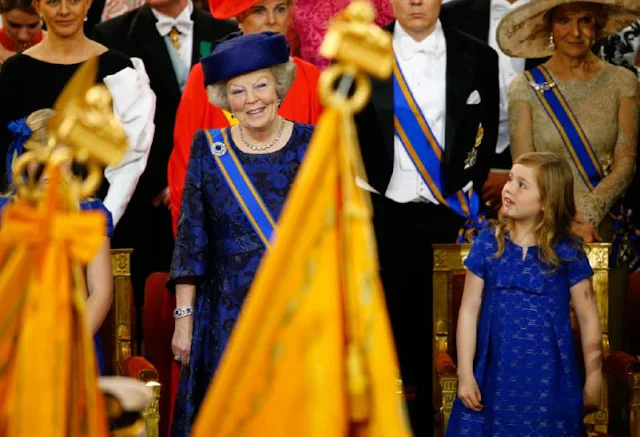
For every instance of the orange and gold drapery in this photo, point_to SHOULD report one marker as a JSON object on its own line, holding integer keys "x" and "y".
{"x": 312, "y": 353}
{"x": 48, "y": 376}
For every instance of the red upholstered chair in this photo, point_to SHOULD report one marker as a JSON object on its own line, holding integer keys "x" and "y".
{"x": 158, "y": 326}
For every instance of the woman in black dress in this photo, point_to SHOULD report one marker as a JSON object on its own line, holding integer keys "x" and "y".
{"x": 35, "y": 78}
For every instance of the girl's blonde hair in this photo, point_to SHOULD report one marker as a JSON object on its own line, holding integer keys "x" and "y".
{"x": 554, "y": 178}
{"x": 38, "y": 121}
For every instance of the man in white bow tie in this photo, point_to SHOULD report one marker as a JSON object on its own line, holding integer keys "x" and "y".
{"x": 169, "y": 36}
{"x": 427, "y": 139}
{"x": 480, "y": 18}
{"x": 177, "y": 31}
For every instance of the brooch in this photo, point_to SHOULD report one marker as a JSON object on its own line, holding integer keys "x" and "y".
{"x": 542, "y": 87}
{"x": 219, "y": 149}
{"x": 472, "y": 156}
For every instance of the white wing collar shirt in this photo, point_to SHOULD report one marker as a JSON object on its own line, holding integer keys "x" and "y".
{"x": 184, "y": 25}
{"x": 424, "y": 65}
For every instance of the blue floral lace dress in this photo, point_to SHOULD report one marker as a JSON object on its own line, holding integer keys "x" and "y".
{"x": 525, "y": 363}
{"x": 217, "y": 245}
{"x": 86, "y": 205}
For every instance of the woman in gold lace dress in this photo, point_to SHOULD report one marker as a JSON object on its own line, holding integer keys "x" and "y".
{"x": 577, "y": 106}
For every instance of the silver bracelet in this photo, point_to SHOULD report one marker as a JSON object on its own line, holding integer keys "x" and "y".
{"x": 182, "y": 312}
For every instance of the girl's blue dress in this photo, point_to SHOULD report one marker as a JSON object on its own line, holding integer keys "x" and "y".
{"x": 525, "y": 362}
{"x": 217, "y": 245}
{"x": 91, "y": 204}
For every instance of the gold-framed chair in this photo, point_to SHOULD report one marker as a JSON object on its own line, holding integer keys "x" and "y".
{"x": 116, "y": 335}
{"x": 448, "y": 284}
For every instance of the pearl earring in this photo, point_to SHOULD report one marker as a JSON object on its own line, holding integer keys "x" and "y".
{"x": 552, "y": 43}
{"x": 278, "y": 103}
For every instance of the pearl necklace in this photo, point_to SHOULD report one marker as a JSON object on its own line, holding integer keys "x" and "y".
{"x": 265, "y": 147}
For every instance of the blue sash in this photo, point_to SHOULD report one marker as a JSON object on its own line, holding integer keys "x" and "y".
{"x": 573, "y": 136}
{"x": 243, "y": 190}
{"x": 416, "y": 136}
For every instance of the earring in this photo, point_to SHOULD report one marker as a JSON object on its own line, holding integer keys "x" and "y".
{"x": 85, "y": 18}
{"x": 552, "y": 44}
{"x": 278, "y": 103}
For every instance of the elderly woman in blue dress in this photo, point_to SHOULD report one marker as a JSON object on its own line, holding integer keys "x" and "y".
{"x": 237, "y": 181}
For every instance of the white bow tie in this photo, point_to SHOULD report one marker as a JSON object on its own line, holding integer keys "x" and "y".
{"x": 184, "y": 26}
{"x": 412, "y": 48}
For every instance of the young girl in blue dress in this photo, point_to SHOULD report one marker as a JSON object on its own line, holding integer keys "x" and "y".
{"x": 517, "y": 366}
{"x": 99, "y": 275}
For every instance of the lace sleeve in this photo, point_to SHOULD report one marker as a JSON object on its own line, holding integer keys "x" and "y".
{"x": 598, "y": 203}
{"x": 629, "y": 85}
{"x": 520, "y": 117}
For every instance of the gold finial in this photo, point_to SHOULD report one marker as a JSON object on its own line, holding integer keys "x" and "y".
{"x": 85, "y": 121}
{"x": 84, "y": 124}
{"x": 360, "y": 48}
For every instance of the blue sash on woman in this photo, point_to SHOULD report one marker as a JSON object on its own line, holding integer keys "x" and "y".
{"x": 240, "y": 185}
{"x": 578, "y": 147}
{"x": 417, "y": 138}
{"x": 573, "y": 136}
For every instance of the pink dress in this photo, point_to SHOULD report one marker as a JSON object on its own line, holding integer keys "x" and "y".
{"x": 310, "y": 20}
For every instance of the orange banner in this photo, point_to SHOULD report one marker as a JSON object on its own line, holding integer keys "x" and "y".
{"x": 312, "y": 353}
{"x": 48, "y": 370}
